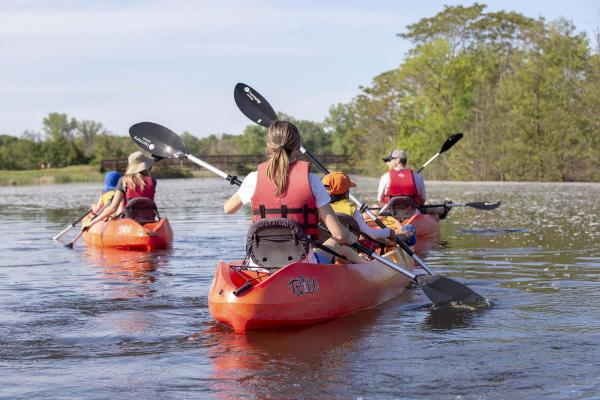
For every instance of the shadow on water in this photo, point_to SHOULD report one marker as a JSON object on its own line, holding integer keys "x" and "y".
{"x": 493, "y": 231}
{"x": 448, "y": 318}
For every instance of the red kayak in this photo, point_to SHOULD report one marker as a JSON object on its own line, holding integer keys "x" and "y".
{"x": 128, "y": 234}
{"x": 301, "y": 293}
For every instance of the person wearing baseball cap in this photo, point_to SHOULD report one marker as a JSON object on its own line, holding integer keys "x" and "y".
{"x": 137, "y": 182}
{"x": 338, "y": 185}
{"x": 400, "y": 180}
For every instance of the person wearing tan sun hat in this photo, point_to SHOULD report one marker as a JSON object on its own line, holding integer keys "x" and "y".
{"x": 137, "y": 182}
{"x": 338, "y": 185}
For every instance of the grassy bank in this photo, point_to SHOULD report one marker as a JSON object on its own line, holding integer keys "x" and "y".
{"x": 84, "y": 173}
{"x": 75, "y": 173}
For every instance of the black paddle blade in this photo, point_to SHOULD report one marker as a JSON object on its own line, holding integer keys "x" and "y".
{"x": 484, "y": 205}
{"x": 442, "y": 290}
{"x": 158, "y": 140}
{"x": 451, "y": 141}
{"x": 253, "y": 105}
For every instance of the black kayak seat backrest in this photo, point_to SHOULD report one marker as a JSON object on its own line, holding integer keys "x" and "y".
{"x": 400, "y": 207}
{"x": 142, "y": 209}
{"x": 276, "y": 242}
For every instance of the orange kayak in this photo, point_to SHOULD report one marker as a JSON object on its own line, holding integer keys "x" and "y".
{"x": 301, "y": 293}
{"x": 128, "y": 234}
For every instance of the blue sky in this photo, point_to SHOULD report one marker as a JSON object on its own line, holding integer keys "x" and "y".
{"x": 176, "y": 62}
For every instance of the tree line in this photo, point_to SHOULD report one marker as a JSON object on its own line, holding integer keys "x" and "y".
{"x": 63, "y": 141}
{"x": 523, "y": 91}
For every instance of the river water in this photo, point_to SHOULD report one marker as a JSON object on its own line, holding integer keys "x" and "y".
{"x": 95, "y": 324}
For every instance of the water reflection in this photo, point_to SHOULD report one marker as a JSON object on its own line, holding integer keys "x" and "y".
{"x": 129, "y": 273}
{"x": 285, "y": 363}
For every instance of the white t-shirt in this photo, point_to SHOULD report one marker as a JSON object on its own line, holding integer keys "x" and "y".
{"x": 246, "y": 190}
{"x": 384, "y": 184}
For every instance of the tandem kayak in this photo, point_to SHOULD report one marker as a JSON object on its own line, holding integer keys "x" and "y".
{"x": 301, "y": 293}
{"x": 128, "y": 234}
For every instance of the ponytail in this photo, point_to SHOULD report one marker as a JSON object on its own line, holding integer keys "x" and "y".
{"x": 282, "y": 139}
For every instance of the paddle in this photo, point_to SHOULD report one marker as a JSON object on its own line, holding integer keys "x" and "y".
{"x": 478, "y": 205}
{"x": 439, "y": 289}
{"x": 451, "y": 141}
{"x": 68, "y": 228}
{"x": 161, "y": 141}
{"x": 70, "y": 245}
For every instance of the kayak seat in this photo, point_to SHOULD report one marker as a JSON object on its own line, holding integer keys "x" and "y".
{"x": 273, "y": 243}
{"x": 400, "y": 207}
{"x": 142, "y": 209}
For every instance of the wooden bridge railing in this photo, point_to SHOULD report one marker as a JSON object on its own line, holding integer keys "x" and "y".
{"x": 229, "y": 163}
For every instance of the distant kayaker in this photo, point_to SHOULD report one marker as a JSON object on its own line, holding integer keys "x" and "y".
{"x": 403, "y": 181}
{"x": 338, "y": 185}
{"x": 284, "y": 182}
{"x": 137, "y": 182}
{"x": 400, "y": 180}
{"x": 111, "y": 179}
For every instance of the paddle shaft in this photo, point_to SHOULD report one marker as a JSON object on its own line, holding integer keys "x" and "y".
{"x": 427, "y": 163}
{"x": 68, "y": 228}
{"x": 479, "y": 205}
{"x": 451, "y": 141}
{"x": 232, "y": 179}
{"x": 70, "y": 245}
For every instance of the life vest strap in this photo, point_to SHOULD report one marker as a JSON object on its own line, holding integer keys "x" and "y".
{"x": 284, "y": 211}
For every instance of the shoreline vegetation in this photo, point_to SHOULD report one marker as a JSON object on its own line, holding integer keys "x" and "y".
{"x": 523, "y": 91}
{"x": 89, "y": 173}
{"x": 77, "y": 174}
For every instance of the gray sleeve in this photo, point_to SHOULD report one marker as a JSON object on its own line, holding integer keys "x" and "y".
{"x": 420, "y": 183}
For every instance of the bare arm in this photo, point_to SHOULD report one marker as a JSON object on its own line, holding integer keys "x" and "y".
{"x": 108, "y": 211}
{"x": 233, "y": 204}
{"x": 338, "y": 231}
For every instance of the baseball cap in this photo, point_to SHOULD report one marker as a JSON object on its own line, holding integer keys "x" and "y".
{"x": 401, "y": 154}
{"x": 337, "y": 182}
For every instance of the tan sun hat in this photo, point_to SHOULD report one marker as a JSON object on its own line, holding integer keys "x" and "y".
{"x": 138, "y": 162}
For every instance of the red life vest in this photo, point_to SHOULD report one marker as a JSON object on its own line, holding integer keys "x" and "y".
{"x": 296, "y": 203}
{"x": 147, "y": 191}
{"x": 402, "y": 183}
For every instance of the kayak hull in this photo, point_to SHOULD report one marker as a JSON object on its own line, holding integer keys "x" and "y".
{"x": 301, "y": 293}
{"x": 426, "y": 225}
{"x": 128, "y": 234}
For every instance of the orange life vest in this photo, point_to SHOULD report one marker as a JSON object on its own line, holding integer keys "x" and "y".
{"x": 296, "y": 203}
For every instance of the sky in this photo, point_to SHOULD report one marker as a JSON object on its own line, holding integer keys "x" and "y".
{"x": 176, "y": 62}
